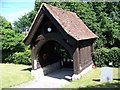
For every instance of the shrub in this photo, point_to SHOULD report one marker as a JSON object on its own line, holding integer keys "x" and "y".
{"x": 20, "y": 58}
{"x": 11, "y": 43}
{"x": 115, "y": 56}
{"x": 100, "y": 56}
{"x": 104, "y": 56}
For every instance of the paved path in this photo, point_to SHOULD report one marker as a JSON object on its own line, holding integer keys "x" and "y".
{"x": 53, "y": 80}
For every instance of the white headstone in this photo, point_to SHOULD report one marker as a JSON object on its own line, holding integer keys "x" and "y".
{"x": 106, "y": 74}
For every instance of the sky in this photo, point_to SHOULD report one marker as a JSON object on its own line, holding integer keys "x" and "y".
{"x": 14, "y": 9}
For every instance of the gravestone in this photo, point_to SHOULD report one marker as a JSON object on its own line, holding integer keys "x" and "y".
{"x": 106, "y": 74}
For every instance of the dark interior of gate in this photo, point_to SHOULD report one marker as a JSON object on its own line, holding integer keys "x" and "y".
{"x": 52, "y": 52}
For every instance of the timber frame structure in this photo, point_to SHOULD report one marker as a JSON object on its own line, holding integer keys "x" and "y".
{"x": 55, "y": 28}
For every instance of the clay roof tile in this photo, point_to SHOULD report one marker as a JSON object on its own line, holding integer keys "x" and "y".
{"x": 71, "y": 23}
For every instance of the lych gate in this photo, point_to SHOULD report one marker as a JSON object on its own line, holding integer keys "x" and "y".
{"x": 59, "y": 39}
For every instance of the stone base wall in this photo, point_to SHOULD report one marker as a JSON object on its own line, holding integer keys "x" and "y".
{"x": 56, "y": 66}
{"x": 78, "y": 76}
{"x": 45, "y": 70}
{"x": 51, "y": 68}
{"x": 37, "y": 73}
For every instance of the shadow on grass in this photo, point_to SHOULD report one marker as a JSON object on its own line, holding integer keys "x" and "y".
{"x": 27, "y": 69}
{"x": 106, "y": 85}
{"x": 98, "y": 80}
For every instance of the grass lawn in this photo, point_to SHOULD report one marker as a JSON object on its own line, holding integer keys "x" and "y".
{"x": 92, "y": 80}
{"x": 13, "y": 74}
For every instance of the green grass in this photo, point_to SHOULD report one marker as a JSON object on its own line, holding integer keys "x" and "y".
{"x": 12, "y": 75}
{"x": 92, "y": 80}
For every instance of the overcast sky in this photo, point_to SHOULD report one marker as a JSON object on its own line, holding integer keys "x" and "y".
{"x": 14, "y": 9}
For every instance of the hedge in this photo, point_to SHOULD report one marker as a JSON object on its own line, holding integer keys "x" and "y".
{"x": 104, "y": 56}
{"x": 101, "y": 57}
{"x": 20, "y": 58}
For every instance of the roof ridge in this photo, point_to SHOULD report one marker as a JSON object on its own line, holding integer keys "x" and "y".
{"x": 69, "y": 21}
{"x": 47, "y": 5}
{"x": 55, "y": 10}
{"x": 43, "y": 4}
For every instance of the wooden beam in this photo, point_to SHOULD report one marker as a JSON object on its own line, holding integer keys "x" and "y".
{"x": 59, "y": 27}
{"x": 56, "y": 37}
{"x": 34, "y": 28}
{"x": 86, "y": 65}
{"x": 76, "y": 60}
{"x": 33, "y": 56}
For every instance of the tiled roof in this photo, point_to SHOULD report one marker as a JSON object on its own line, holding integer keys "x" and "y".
{"x": 71, "y": 23}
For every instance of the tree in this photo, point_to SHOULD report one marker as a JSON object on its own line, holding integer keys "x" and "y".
{"x": 11, "y": 41}
{"x": 24, "y": 22}
{"x": 103, "y": 18}
{"x": 4, "y": 23}
{"x": 108, "y": 18}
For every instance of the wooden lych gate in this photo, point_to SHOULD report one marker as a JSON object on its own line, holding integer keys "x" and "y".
{"x": 59, "y": 39}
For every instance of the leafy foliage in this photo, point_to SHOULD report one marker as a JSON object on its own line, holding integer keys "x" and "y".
{"x": 104, "y": 56}
{"x": 23, "y": 24}
{"x": 4, "y": 23}
{"x": 11, "y": 42}
{"x": 13, "y": 49}
{"x": 20, "y": 58}
{"x": 114, "y": 56}
{"x": 108, "y": 19}
{"x": 103, "y": 18}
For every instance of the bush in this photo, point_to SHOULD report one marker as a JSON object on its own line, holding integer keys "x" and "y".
{"x": 104, "y": 56}
{"x": 20, "y": 58}
{"x": 11, "y": 43}
{"x": 115, "y": 56}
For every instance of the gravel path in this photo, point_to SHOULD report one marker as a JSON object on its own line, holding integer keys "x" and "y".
{"x": 53, "y": 80}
